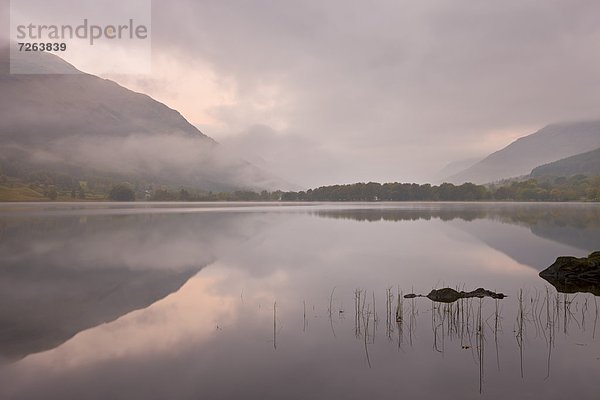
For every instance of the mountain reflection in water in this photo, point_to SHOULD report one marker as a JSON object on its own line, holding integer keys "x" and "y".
{"x": 60, "y": 276}
{"x": 269, "y": 301}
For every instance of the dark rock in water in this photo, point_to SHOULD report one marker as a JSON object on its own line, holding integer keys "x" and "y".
{"x": 565, "y": 267}
{"x": 573, "y": 275}
{"x": 445, "y": 295}
{"x": 481, "y": 292}
{"x": 448, "y": 295}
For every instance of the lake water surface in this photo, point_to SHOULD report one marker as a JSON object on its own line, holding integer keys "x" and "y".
{"x": 293, "y": 301}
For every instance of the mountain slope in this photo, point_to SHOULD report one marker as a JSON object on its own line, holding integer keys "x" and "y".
{"x": 79, "y": 124}
{"x": 585, "y": 164}
{"x": 36, "y": 108}
{"x": 549, "y": 144}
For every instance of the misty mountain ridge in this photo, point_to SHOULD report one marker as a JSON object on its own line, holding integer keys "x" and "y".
{"x": 581, "y": 164}
{"x": 79, "y": 124}
{"x": 549, "y": 144}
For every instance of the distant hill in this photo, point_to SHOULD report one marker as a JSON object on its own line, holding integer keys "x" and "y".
{"x": 585, "y": 164}
{"x": 549, "y": 144}
{"x": 81, "y": 125}
{"x": 453, "y": 168}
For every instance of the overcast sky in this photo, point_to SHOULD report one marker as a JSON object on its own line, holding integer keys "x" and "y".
{"x": 342, "y": 91}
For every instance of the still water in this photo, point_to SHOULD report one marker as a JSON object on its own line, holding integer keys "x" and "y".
{"x": 293, "y": 301}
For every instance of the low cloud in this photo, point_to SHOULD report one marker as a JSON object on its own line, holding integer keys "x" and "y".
{"x": 300, "y": 159}
{"x": 167, "y": 159}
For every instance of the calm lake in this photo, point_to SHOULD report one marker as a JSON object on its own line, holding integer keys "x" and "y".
{"x": 293, "y": 301}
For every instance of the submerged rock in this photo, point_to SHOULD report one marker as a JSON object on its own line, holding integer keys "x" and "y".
{"x": 449, "y": 295}
{"x": 573, "y": 275}
{"x": 445, "y": 295}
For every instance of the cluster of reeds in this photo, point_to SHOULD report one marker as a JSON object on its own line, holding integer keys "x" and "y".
{"x": 465, "y": 321}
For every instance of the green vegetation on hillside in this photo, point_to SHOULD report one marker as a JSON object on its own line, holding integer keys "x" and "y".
{"x": 577, "y": 188}
{"x": 20, "y": 193}
{"x": 46, "y": 187}
{"x": 121, "y": 192}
